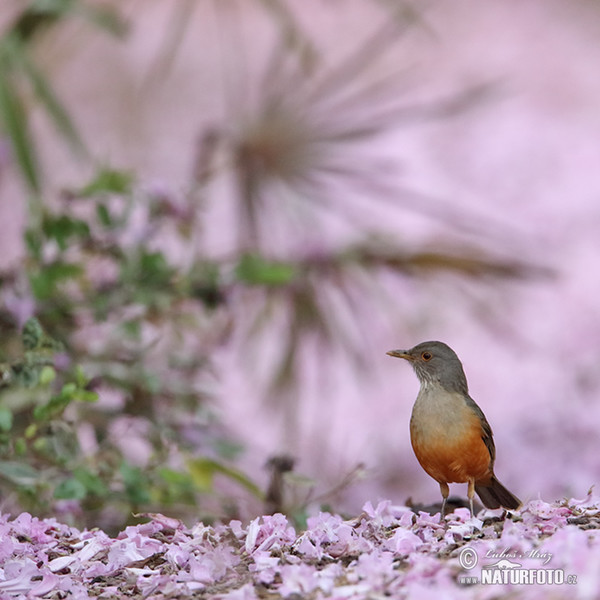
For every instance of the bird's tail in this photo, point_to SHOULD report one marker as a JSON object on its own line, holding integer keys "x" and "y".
{"x": 494, "y": 495}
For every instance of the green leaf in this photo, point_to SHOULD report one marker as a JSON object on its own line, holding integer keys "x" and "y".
{"x": 149, "y": 275}
{"x": 38, "y": 16}
{"x": 204, "y": 281}
{"x": 228, "y": 449}
{"x": 13, "y": 117}
{"x": 107, "y": 181}
{"x": 132, "y": 328}
{"x": 80, "y": 377}
{"x": 104, "y": 215}
{"x": 20, "y": 446}
{"x": 57, "y": 404}
{"x": 203, "y": 471}
{"x": 70, "y": 489}
{"x": 41, "y": 14}
{"x": 44, "y": 282}
{"x": 6, "y": 419}
{"x": 91, "y": 481}
{"x": 62, "y": 228}
{"x": 136, "y": 484}
{"x": 256, "y": 270}
{"x": 30, "y": 431}
{"x": 53, "y": 408}
{"x": 178, "y": 487}
{"x": 173, "y": 477}
{"x": 151, "y": 382}
{"x": 85, "y": 396}
{"x": 104, "y": 17}
{"x": 154, "y": 268}
{"x": 47, "y": 375}
{"x": 24, "y": 375}
{"x": 18, "y": 473}
{"x": 33, "y": 241}
{"x": 32, "y": 334}
{"x": 49, "y": 101}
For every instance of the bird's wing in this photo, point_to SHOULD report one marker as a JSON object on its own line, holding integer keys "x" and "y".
{"x": 486, "y": 430}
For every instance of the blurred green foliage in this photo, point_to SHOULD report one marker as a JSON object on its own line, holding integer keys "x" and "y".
{"x": 38, "y": 449}
{"x": 44, "y": 408}
{"x": 21, "y": 78}
{"x": 42, "y": 463}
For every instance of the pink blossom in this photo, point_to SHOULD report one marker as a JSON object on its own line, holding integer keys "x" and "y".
{"x": 125, "y": 551}
{"x": 329, "y": 533}
{"x": 382, "y": 515}
{"x": 200, "y": 569}
{"x": 273, "y": 532}
{"x": 177, "y": 555}
{"x": 31, "y": 527}
{"x": 403, "y": 541}
{"x": 245, "y": 592}
{"x": 406, "y": 519}
{"x": 298, "y": 579}
{"x": 25, "y": 577}
{"x": 590, "y": 503}
{"x": 545, "y": 510}
{"x": 222, "y": 559}
{"x": 459, "y": 530}
{"x": 376, "y": 567}
{"x": 307, "y": 548}
{"x": 333, "y": 558}
{"x": 265, "y": 566}
{"x": 325, "y": 527}
{"x": 236, "y": 528}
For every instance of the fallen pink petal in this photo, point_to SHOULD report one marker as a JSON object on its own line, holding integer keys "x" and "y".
{"x": 400, "y": 557}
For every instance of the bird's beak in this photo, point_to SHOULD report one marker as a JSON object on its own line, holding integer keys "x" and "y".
{"x": 401, "y": 354}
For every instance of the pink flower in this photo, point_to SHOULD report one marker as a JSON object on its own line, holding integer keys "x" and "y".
{"x": 403, "y": 541}
{"x": 324, "y": 527}
{"x": 273, "y": 532}
{"x": 246, "y": 592}
{"x": 307, "y": 548}
{"x": 31, "y": 527}
{"x": 376, "y": 567}
{"x": 125, "y": 551}
{"x": 165, "y": 522}
{"x": 177, "y": 556}
{"x": 382, "y": 516}
{"x": 298, "y": 579}
{"x": 18, "y": 578}
{"x": 236, "y": 528}
{"x": 589, "y": 502}
{"x": 265, "y": 566}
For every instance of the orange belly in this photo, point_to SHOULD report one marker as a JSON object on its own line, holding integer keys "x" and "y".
{"x": 454, "y": 459}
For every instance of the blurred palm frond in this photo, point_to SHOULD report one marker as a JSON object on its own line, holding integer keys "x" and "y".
{"x": 22, "y": 81}
{"x": 303, "y": 144}
{"x": 299, "y": 138}
{"x": 321, "y": 297}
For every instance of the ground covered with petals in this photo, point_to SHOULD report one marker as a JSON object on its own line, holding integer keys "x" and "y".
{"x": 546, "y": 550}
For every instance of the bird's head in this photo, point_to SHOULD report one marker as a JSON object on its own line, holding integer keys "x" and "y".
{"x": 435, "y": 362}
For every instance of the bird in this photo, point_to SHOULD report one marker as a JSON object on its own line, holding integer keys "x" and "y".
{"x": 449, "y": 433}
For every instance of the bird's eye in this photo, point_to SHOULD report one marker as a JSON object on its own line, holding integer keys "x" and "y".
{"x": 426, "y": 355}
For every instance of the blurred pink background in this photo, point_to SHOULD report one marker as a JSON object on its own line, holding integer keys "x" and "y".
{"x": 518, "y": 173}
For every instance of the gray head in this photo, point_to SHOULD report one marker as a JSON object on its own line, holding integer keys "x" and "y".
{"x": 435, "y": 362}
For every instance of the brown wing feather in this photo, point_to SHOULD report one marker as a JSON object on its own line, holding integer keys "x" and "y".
{"x": 486, "y": 430}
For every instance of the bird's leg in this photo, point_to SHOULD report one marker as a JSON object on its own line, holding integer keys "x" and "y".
{"x": 470, "y": 494}
{"x": 445, "y": 493}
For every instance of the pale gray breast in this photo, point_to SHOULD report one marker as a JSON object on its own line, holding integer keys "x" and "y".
{"x": 438, "y": 413}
